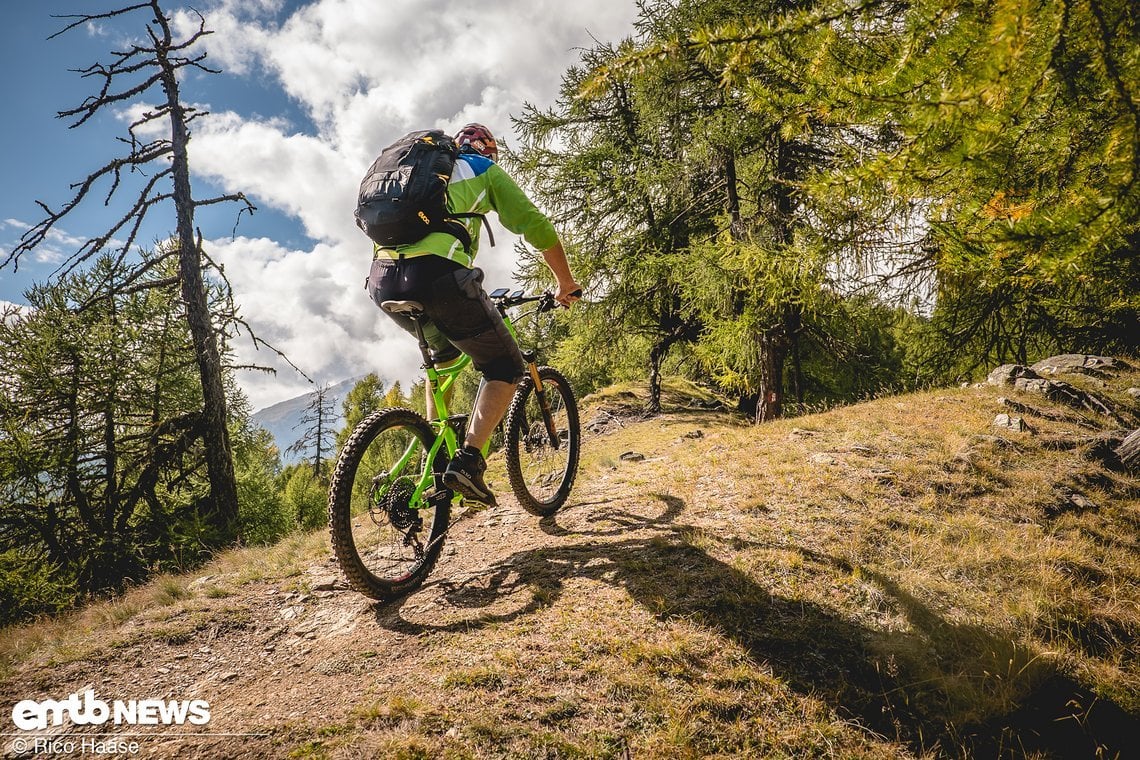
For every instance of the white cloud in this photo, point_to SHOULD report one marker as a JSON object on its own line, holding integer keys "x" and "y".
{"x": 14, "y": 309}
{"x": 311, "y": 305}
{"x": 364, "y": 73}
{"x": 301, "y": 175}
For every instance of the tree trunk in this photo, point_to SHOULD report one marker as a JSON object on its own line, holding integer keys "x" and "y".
{"x": 219, "y": 456}
{"x": 656, "y": 354}
{"x": 320, "y": 434}
{"x": 736, "y": 227}
{"x": 774, "y": 343}
{"x": 773, "y": 351}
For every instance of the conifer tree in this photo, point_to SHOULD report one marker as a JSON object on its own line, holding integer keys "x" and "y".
{"x": 317, "y": 430}
{"x": 155, "y": 64}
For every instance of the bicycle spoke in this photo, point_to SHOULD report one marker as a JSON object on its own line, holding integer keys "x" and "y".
{"x": 381, "y": 521}
{"x": 542, "y": 468}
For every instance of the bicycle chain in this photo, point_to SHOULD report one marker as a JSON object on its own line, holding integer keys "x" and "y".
{"x": 451, "y": 524}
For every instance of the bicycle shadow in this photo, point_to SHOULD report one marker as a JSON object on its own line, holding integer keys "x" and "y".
{"x": 880, "y": 679}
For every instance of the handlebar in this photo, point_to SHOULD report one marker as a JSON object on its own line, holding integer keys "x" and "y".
{"x": 545, "y": 300}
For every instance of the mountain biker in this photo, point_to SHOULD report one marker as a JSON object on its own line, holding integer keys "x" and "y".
{"x": 439, "y": 273}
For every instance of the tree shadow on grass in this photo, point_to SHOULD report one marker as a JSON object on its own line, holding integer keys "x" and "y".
{"x": 899, "y": 684}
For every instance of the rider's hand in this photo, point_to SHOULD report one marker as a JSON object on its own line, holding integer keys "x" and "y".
{"x": 567, "y": 293}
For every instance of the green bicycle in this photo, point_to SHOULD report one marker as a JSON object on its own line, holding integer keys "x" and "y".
{"x": 389, "y": 511}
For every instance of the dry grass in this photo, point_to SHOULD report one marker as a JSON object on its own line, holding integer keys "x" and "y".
{"x": 889, "y": 579}
{"x": 142, "y": 612}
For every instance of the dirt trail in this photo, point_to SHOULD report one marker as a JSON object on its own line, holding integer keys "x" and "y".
{"x": 895, "y": 579}
{"x": 277, "y": 664}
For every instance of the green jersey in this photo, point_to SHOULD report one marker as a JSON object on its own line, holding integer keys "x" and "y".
{"x": 478, "y": 185}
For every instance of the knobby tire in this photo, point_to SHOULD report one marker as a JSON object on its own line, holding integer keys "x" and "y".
{"x": 541, "y": 475}
{"x": 366, "y": 531}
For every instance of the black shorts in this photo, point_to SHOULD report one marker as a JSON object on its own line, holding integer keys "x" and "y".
{"x": 460, "y": 314}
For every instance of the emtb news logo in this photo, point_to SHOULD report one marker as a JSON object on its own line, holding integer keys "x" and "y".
{"x": 31, "y": 715}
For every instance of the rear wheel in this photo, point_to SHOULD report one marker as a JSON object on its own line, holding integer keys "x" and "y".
{"x": 386, "y": 544}
{"x": 542, "y": 467}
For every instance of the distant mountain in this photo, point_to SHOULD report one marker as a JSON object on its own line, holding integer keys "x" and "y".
{"x": 283, "y": 419}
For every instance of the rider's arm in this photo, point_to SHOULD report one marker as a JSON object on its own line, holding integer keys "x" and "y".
{"x": 519, "y": 215}
{"x": 568, "y": 290}
{"x": 516, "y": 212}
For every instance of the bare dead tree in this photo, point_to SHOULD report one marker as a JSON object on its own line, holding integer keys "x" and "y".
{"x": 145, "y": 67}
{"x": 317, "y": 434}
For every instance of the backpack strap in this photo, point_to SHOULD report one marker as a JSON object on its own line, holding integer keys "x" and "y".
{"x": 465, "y": 237}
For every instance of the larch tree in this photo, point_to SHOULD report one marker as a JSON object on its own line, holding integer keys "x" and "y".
{"x": 155, "y": 64}
{"x": 317, "y": 434}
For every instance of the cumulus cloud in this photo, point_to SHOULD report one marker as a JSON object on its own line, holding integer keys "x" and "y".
{"x": 363, "y": 74}
{"x": 9, "y": 309}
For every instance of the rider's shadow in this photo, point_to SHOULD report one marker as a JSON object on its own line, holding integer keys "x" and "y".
{"x": 874, "y": 677}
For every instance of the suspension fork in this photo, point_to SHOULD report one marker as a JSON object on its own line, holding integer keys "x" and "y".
{"x": 540, "y": 393}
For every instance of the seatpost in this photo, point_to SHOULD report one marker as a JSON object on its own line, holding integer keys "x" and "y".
{"x": 425, "y": 349}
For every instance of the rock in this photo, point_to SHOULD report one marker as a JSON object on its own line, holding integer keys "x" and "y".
{"x": 1008, "y": 374}
{"x": 1133, "y": 392}
{"x": 1033, "y": 384}
{"x": 291, "y": 612}
{"x": 631, "y": 456}
{"x": 821, "y": 457}
{"x": 694, "y": 434}
{"x": 228, "y": 676}
{"x": 1071, "y": 502}
{"x": 325, "y": 583}
{"x": 1078, "y": 363}
{"x": 1010, "y": 422}
{"x": 1128, "y": 451}
{"x": 1082, "y": 502}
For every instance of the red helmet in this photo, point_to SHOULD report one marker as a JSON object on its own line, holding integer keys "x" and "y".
{"x": 480, "y": 139}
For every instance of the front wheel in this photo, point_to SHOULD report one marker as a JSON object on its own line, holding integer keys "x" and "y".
{"x": 386, "y": 537}
{"x": 542, "y": 442}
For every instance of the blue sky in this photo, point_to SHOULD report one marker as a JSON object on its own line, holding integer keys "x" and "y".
{"x": 311, "y": 90}
{"x": 43, "y": 156}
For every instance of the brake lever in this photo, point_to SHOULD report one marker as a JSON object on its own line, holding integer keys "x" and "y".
{"x": 549, "y": 303}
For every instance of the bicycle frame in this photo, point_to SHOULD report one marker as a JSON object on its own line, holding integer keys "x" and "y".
{"x": 439, "y": 382}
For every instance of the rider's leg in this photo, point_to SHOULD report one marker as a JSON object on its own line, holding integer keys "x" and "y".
{"x": 490, "y": 406}
{"x": 431, "y": 414}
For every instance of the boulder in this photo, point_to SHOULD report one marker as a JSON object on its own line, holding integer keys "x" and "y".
{"x": 1011, "y": 422}
{"x": 1129, "y": 451}
{"x": 1075, "y": 363}
{"x": 1008, "y": 374}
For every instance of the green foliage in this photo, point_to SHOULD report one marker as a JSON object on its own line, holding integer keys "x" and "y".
{"x": 680, "y": 172}
{"x": 753, "y": 179}
{"x": 262, "y": 510}
{"x": 29, "y": 587}
{"x": 304, "y": 496}
{"x": 102, "y": 464}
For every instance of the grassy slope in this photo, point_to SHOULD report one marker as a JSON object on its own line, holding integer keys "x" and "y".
{"x": 890, "y": 579}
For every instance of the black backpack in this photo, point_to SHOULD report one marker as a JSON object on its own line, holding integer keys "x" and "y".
{"x": 403, "y": 196}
